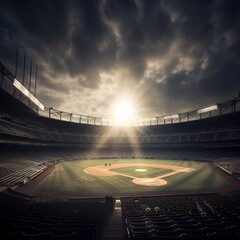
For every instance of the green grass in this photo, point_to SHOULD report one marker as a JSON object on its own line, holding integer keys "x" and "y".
{"x": 68, "y": 178}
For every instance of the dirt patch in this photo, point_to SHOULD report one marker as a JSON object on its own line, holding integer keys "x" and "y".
{"x": 149, "y": 181}
{"x": 103, "y": 170}
{"x": 99, "y": 171}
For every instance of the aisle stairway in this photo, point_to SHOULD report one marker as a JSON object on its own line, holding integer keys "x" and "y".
{"x": 115, "y": 228}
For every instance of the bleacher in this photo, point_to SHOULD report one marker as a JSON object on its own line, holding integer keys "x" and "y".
{"x": 206, "y": 216}
{"x": 230, "y": 165}
{"x": 37, "y": 219}
{"x": 22, "y": 175}
{"x": 17, "y": 167}
{"x": 183, "y": 217}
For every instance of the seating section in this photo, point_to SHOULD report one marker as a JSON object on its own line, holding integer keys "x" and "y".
{"x": 54, "y": 131}
{"x": 230, "y": 165}
{"x": 19, "y": 124}
{"x": 183, "y": 217}
{"x": 37, "y": 219}
{"x": 207, "y": 216}
{"x": 17, "y": 167}
{"x": 22, "y": 175}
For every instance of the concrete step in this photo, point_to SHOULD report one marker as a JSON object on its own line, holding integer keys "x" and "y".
{"x": 115, "y": 228}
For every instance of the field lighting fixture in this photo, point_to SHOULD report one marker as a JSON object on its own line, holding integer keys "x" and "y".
{"x": 24, "y": 91}
{"x": 171, "y": 116}
{"x": 207, "y": 109}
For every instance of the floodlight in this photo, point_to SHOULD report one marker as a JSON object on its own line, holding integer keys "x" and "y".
{"x": 24, "y": 91}
{"x": 171, "y": 116}
{"x": 207, "y": 109}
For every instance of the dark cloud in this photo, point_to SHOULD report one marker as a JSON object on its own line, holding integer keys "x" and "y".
{"x": 145, "y": 31}
{"x": 169, "y": 56}
{"x": 93, "y": 44}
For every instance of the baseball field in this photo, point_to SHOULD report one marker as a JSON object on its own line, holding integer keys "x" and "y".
{"x": 131, "y": 177}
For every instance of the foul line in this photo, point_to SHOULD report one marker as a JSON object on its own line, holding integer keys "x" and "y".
{"x": 123, "y": 174}
{"x": 107, "y": 170}
{"x": 159, "y": 177}
{"x": 162, "y": 176}
{"x": 172, "y": 173}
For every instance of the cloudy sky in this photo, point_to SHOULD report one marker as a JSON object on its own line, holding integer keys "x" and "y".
{"x": 164, "y": 57}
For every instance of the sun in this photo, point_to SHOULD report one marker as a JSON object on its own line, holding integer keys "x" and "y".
{"x": 123, "y": 112}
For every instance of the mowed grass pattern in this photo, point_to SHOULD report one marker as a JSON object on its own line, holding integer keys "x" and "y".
{"x": 69, "y": 179}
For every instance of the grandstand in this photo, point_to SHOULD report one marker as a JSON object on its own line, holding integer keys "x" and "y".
{"x": 34, "y": 143}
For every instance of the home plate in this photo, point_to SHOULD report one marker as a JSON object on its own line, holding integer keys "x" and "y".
{"x": 149, "y": 181}
{"x": 140, "y": 170}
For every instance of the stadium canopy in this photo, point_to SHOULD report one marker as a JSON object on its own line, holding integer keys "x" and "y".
{"x": 24, "y": 91}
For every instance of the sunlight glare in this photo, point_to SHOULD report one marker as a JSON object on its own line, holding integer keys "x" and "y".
{"x": 124, "y": 112}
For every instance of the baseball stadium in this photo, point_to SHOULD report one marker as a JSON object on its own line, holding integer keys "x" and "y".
{"x": 70, "y": 176}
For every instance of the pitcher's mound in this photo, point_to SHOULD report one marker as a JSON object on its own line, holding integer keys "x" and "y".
{"x": 149, "y": 181}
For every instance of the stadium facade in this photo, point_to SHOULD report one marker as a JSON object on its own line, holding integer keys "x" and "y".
{"x": 33, "y": 139}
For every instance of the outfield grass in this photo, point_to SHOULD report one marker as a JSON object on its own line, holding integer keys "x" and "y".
{"x": 69, "y": 179}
